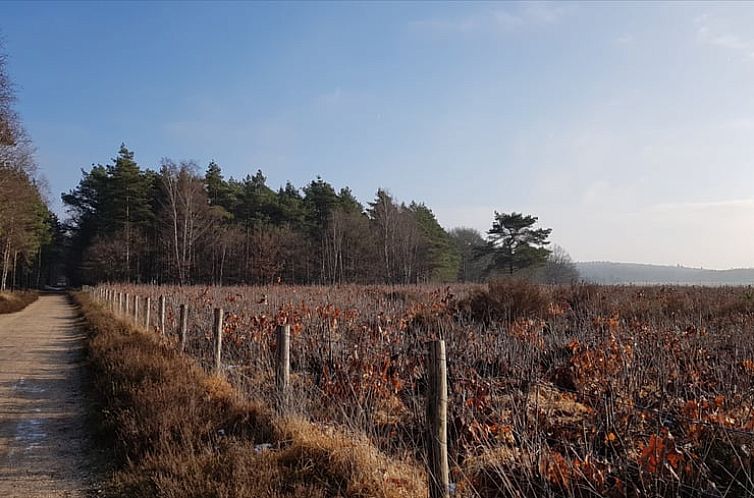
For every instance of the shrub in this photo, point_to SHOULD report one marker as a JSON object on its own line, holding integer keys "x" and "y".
{"x": 505, "y": 300}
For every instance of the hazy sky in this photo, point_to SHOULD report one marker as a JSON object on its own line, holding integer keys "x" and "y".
{"x": 627, "y": 128}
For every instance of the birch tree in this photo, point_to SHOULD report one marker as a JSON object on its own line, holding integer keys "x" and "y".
{"x": 186, "y": 214}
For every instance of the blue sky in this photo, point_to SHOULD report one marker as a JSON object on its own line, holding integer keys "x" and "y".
{"x": 626, "y": 127}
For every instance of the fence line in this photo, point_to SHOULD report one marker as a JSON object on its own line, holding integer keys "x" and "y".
{"x": 438, "y": 379}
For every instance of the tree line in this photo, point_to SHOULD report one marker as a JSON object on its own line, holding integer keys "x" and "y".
{"x": 29, "y": 232}
{"x": 179, "y": 224}
{"x": 182, "y": 225}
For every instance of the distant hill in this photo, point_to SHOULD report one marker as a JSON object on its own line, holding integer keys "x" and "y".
{"x": 632, "y": 273}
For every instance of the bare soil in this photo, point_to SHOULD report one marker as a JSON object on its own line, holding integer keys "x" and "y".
{"x": 45, "y": 450}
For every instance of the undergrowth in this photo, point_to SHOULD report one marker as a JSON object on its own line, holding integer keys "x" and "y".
{"x": 176, "y": 431}
{"x": 11, "y": 302}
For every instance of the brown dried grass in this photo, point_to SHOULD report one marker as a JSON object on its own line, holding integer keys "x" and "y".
{"x": 176, "y": 431}
{"x": 11, "y": 302}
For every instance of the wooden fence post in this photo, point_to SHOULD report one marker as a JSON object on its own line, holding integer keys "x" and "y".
{"x": 147, "y": 311}
{"x": 437, "y": 420}
{"x": 137, "y": 299}
{"x": 161, "y": 315}
{"x": 120, "y": 302}
{"x": 127, "y": 308}
{"x": 183, "y": 331}
{"x": 217, "y": 331}
{"x": 283, "y": 363}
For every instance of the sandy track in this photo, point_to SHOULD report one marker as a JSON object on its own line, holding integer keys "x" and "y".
{"x": 44, "y": 449}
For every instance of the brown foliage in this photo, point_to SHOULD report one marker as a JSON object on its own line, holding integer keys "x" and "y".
{"x": 505, "y": 300}
{"x": 576, "y": 396}
{"x": 11, "y": 302}
{"x": 178, "y": 432}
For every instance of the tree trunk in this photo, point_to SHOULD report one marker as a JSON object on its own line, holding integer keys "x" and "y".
{"x": 6, "y": 261}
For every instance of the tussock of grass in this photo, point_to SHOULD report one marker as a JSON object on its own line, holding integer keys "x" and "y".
{"x": 178, "y": 432}
{"x": 11, "y": 302}
{"x": 347, "y": 462}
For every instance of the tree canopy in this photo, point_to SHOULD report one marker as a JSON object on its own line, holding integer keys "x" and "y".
{"x": 26, "y": 225}
{"x": 179, "y": 225}
{"x": 513, "y": 243}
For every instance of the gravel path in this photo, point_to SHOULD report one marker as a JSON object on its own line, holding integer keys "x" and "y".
{"x": 44, "y": 449}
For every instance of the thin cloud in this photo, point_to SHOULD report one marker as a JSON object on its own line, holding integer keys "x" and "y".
{"x": 736, "y": 204}
{"x": 445, "y": 25}
{"x": 543, "y": 12}
{"x": 508, "y": 20}
{"x": 712, "y": 34}
{"x": 626, "y": 39}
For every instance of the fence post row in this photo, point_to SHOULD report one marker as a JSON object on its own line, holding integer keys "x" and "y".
{"x": 147, "y": 311}
{"x": 283, "y": 363}
{"x": 161, "y": 315}
{"x": 217, "y": 330}
{"x": 437, "y": 421}
{"x": 437, "y": 396}
{"x": 183, "y": 326}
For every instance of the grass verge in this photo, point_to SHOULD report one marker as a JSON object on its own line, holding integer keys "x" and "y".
{"x": 176, "y": 431}
{"x": 11, "y": 302}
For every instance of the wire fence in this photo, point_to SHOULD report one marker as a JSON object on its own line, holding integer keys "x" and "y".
{"x": 511, "y": 432}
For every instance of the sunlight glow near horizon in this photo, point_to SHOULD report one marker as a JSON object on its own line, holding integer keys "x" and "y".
{"x": 627, "y": 128}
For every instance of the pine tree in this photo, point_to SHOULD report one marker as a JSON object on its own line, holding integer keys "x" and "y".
{"x": 219, "y": 191}
{"x": 257, "y": 203}
{"x": 515, "y": 244}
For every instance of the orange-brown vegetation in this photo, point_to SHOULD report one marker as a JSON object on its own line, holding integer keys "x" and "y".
{"x": 554, "y": 391}
{"x": 176, "y": 431}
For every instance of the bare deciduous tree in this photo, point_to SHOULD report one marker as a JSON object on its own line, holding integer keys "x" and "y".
{"x": 186, "y": 214}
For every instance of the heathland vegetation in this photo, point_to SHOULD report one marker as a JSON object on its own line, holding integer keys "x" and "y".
{"x": 568, "y": 391}
{"x": 176, "y": 431}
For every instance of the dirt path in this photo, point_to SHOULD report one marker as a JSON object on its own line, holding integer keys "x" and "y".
{"x": 43, "y": 438}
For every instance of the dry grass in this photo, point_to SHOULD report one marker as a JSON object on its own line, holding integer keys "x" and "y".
{"x": 11, "y": 302}
{"x": 177, "y": 432}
